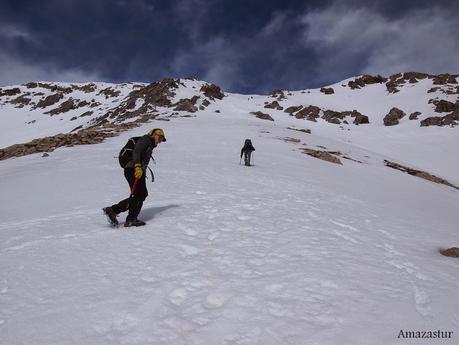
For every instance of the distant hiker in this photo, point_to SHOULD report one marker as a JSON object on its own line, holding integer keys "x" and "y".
{"x": 247, "y": 150}
{"x": 134, "y": 158}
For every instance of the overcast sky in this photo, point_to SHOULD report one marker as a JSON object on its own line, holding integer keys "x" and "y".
{"x": 241, "y": 45}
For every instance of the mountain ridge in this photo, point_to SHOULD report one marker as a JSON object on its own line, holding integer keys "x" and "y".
{"x": 52, "y": 115}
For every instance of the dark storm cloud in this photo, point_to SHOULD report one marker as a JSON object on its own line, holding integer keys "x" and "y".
{"x": 244, "y": 46}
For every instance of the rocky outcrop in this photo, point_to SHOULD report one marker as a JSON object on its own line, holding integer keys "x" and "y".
{"x": 49, "y": 144}
{"x": 49, "y": 100}
{"x": 109, "y": 93}
{"x": 443, "y": 79}
{"x": 418, "y": 173}
{"x": 451, "y": 252}
{"x": 443, "y": 106}
{"x": 262, "y": 116}
{"x": 66, "y": 106}
{"x": 212, "y": 91}
{"x": 157, "y": 94}
{"x": 10, "y": 92}
{"x": 399, "y": 79}
{"x": 51, "y": 87}
{"x": 337, "y": 117}
{"x": 153, "y": 95}
{"x": 279, "y": 94}
{"x": 447, "y": 120}
{"x": 274, "y": 105}
{"x": 366, "y": 80}
{"x": 21, "y": 101}
{"x": 333, "y": 116}
{"x": 324, "y": 155}
{"x": 307, "y": 131}
{"x": 187, "y": 104}
{"x": 414, "y": 77}
{"x": 293, "y": 109}
{"x": 310, "y": 113}
{"x": 414, "y": 116}
{"x": 86, "y": 88}
{"x": 327, "y": 90}
{"x": 359, "y": 119}
{"x": 393, "y": 117}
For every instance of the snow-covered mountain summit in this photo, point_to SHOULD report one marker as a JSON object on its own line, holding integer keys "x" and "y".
{"x": 39, "y": 109}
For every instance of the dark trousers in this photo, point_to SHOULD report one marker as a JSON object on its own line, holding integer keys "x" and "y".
{"x": 135, "y": 201}
{"x": 247, "y": 155}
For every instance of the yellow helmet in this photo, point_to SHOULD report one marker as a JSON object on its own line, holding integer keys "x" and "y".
{"x": 157, "y": 131}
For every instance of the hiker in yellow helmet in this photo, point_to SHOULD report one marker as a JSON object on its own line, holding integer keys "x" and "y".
{"x": 136, "y": 158}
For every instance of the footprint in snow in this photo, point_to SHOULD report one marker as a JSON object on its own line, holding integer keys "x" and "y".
{"x": 177, "y": 296}
{"x": 215, "y": 300}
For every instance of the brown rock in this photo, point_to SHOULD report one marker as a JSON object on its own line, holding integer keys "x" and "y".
{"x": 307, "y": 131}
{"x": 21, "y": 100}
{"x": 87, "y": 113}
{"x": 413, "y": 77}
{"x": 418, "y": 173}
{"x": 432, "y": 121}
{"x": 365, "y": 80}
{"x": 50, "y": 100}
{"x": 10, "y": 92}
{"x": 262, "y": 116}
{"x": 274, "y": 105}
{"x": 279, "y": 94}
{"x": 447, "y": 120}
{"x": 66, "y": 106}
{"x": 393, "y": 117}
{"x": 86, "y": 88}
{"x": 451, "y": 252}
{"x": 187, "y": 104}
{"x": 212, "y": 91}
{"x": 324, "y": 155}
{"x": 293, "y": 109}
{"x": 360, "y": 119}
{"x": 310, "y": 113}
{"x": 443, "y": 79}
{"x": 327, "y": 90}
{"x": 434, "y": 89}
{"x": 444, "y": 106}
{"x": 333, "y": 116}
{"x": 109, "y": 92}
{"x": 414, "y": 116}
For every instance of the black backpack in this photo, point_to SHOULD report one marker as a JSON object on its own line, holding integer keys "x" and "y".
{"x": 126, "y": 152}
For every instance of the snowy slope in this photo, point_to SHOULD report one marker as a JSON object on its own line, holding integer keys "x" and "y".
{"x": 294, "y": 250}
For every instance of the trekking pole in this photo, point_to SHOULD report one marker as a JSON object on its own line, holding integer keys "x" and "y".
{"x": 253, "y": 159}
{"x": 240, "y": 160}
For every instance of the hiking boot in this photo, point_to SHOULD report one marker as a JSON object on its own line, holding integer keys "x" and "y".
{"x": 111, "y": 216}
{"x": 134, "y": 222}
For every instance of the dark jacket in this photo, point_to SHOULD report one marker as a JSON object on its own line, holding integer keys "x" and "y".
{"x": 142, "y": 152}
{"x": 247, "y": 148}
